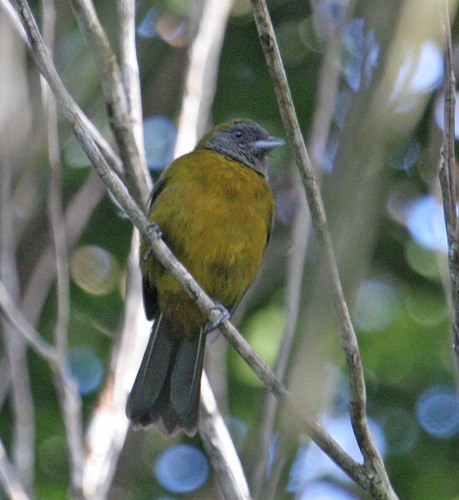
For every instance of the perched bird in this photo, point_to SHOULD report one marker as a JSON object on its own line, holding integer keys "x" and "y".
{"x": 215, "y": 210}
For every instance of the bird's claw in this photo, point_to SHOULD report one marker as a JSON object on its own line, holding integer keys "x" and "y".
{"x": 152, "y": 228}
{"x": 224, "y": 315}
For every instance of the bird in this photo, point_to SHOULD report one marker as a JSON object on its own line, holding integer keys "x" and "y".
{"x": 214, "y": 209}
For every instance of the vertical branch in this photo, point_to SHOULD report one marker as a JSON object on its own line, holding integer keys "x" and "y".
{"x": 137, "y": 180}
{"x": 130, "y": 72}
{"x": 220, "y": 448}
{"x": 108, "y": 425}
{"x": 346, "y": 331}
{"x": 299, "y": 240}
{"x": 9, "y": 479}
{"x": 12, "y": 126}
{"x": 69, "y": 399}
{"x": 201, "y": 77}
{"x": 447, "y": 177}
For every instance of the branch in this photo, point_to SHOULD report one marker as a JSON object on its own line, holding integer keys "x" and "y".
{"x": 105, "y": 147}
{"x": 15, "y": 317}
{"x": 447, "y": 176}
{"x": 8, "y": 478}
{"x": 68, "y": 396}
{"x": 373, "y": 460}
{"x": 130, "y": 74}
{"x": 108, "y": 426}
{"x": 201, "y": 77}
{"x": 220, "y": 447}
{"x": 138, "y": 182}
{"x": 299, "y": 241}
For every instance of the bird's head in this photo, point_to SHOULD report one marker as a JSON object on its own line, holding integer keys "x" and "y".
{"x": 243, "y": 141}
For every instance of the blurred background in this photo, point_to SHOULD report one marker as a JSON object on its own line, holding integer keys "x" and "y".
{"x": 367, "y": 81}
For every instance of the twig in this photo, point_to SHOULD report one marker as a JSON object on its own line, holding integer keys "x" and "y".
{"x": 15, "y": 317}
{"x": 8, "y": 478}
{"x": 447, "y": 177}
{"x": 201, "y": 75}
{"x": 373, "y": 461}
{"x": 68, "y": 396}
{"x": 220, "y": 448}
{"x": 130, "y": 74}
{"x": 108, "y": 425}
{"x": 116, "y": 102}
{"x": 105, "y": 147}
{"x": 296, "y": 261}
{"x": 77, "y": 214}
{"x": 23, "y": 423}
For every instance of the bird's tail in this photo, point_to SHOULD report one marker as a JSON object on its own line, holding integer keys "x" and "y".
{"x": 167, "y": 387}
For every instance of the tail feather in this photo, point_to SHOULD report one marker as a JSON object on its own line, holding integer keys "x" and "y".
{"x": 185, "y": 387}
{"x": 167, "y": 387}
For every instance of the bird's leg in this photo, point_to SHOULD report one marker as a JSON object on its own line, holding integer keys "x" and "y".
{"x": 152, "y": 228}
{"x": 224, "y": 315}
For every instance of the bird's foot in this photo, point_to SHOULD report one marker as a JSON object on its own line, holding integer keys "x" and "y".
{"x": 224, "y": 315}
{"x": 152, "y": 228}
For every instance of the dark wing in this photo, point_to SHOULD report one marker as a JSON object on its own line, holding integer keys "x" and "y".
{"x": 150, "y": 296}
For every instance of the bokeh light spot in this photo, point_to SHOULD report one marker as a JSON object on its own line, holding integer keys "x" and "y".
{"x": 423, "y": 260}
{"x": 400, "y": 430}
{"x": 324, "y": 490}
{"x": 377, "y": 306}
{"x": 425, "y": 306}
{"x": 159, "y": 138}
{"x": 407, "y": 156}
{"x": 426, "y": 224}
{"x": 146, "y": 28}
{"x": 263, "y": 330}
{"x": 437, "y": 410}
{"x": 420, "y": 72}
{"x": 94, "y": 269}
{"x": 86, "y": 368}
{"x": 182, "y": 468}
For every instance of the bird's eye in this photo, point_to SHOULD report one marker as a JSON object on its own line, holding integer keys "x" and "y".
{"x": 238, "y": 133}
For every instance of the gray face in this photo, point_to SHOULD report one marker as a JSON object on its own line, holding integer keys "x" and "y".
{"x": 246, "y": 142}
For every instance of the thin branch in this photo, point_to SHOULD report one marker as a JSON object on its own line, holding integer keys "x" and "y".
{"x": 447, "y": 177}
{"x": 105, "y": 147}
{"x": 68, "y": 396}
{"x": 138, "y": 182}
{"x": 299, "y": 240}
{"x": 23, "y": 423}
{"x": 78, "y": 212}
{"x": 9, "y": 479}
{"x": 220, "y": 447}
{"x": 108, "y": 425}
{"x": 15, "y": 317}
{"x": 130, "y": 73}
{"x": 201, "y": 75}
{"x": 373, "y": 460}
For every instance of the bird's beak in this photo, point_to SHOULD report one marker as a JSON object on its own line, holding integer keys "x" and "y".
{"x": 269, "y": 143}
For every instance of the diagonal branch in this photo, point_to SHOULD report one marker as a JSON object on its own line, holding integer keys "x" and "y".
{"x": 116, "y": 101}
{"x": 347, "y": 334}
